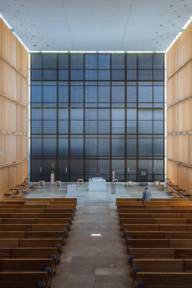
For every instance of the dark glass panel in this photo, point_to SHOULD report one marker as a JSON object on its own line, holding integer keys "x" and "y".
{"x": 118, "y": 61}
{"x": 63, "y": 147}
{"x": 63, "y": 75}
{"x": 91, "y": 147}
{"x": 76, "y": 146}
{"x": 104, "y": 61}
{"x": 49, "y": 61}
{"x": 36, "y": 93}
{"x": 63, "y": 61}
{"x": 49, "y": 146}
{"x": 36, "y": 75}
{"x": 90, "y": 61}
{"x": 118, "y": 147}
{"x": 49, "y": 127}
{"x": 63, "y": 90}
{"x": 145, "y": 147}
{"x": 104, "y": 75}
{"x": 77, "y": 75}
{"x": 131, "y": 61}
{"x": 158, "y": 61}
{"x": 36, "y": 61}
{"x": 77, "y": 61}
{"x": 36, "y": 127}
{"x": 145, "y": 61}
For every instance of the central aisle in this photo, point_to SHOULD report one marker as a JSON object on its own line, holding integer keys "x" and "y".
{"x": 89, "y": 261}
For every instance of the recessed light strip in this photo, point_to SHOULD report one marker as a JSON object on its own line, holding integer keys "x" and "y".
{"x": 100, "y": 52}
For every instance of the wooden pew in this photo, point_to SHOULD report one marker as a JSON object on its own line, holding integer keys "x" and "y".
{"x": 33, "y": 227}
{"x": 163, "y": 279}
{"x": 39, "y": 264}
{"x": 156, "y": 227}
{"x": 168, "y": 253}
{"x": 31, "y": 252}
{"x": 24, "y": 279}
{"x": 31, "y": 242}
{"x": 174, "y": 214}
{"x": 159, "y": 243}
{"x": 125, "y": 221}
{"x": 162, "y": 265}
{"x": 32, "y": 234}
{"x": 36, "y": 215}
{"x": 158, "y": 235}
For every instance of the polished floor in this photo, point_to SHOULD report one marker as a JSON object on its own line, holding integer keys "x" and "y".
{"x": 95, "y": 254}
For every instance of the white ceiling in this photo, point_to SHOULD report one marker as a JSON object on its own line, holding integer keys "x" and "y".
{"x": 96, "y": 25}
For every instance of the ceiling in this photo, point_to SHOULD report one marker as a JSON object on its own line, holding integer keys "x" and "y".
{"x": 96, "y": 25}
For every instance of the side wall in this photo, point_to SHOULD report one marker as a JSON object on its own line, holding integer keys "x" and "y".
{"x": 179, "y": 112}
{"x": 13, "y": 110}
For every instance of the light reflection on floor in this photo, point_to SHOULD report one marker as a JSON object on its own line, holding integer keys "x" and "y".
{"x": 81, "y": 192}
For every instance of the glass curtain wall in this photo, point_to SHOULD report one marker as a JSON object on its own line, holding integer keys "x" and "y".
{"x": 92, "y": 114}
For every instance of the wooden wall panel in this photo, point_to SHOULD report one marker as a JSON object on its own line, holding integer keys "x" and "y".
{"x": 179, "y": 111}
{"x": 13, "y": 110}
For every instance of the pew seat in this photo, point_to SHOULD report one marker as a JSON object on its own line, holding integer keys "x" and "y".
{"x": 24, "y": 279}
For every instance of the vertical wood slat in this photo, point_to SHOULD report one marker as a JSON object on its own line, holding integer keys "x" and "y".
{"x": 179, "y": 112}
{"x": 13, "y": 110}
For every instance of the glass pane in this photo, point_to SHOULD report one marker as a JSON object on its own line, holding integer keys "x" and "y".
{"x": 104, "y": 127}
{"x": 104, "y": 75}
{"x": 36, "y": 146}
{"x": 118, "y": 61}
{"x": 158, "y": 61}
{"x": 50, "y": 75}
{"x": 77, "y": 75}
{"x": 145, "y": 61}
{"x": 63, "y": 75}
{"x": 49, "y": 61}
{"x": 90, "y": 74}
{"x": 104, "y": 147}
{"x": 104, "y": 94}
{"x": 49, "y": 93}
{"x": 77, "y": 61}
{"x": 36, "y": 75}
{"x": 90, "y": 93}
{"x": 132, "y": 75}
{"x": 131, "y": 61}
{"x": 145, "y": 127}
{"x": 36, "y": 61}
{"x": 49, "y": 146}
{"x": 118, "y": 94}
{"x": 76, "y": 93}
{"x": 90, "y": 61}
{"x": 145, "y": 93}
{"x": 131, "y": 147}
{"x": 118, "y": 146}
{"x": 104, "y": 61}
{"x": 63, "y": 61}
{"x": 76, "y": 146}
{"x": 63, "y": 127}
{"x": 63, "y": 91}
{"x": 145, "y": 147}
{"x": 118, "y": 75}
{"x": 36, "y": 93}
{"x": 76, "y": 127}
{"x": 50, "y": 127}
{"x": 91, "y": 146}
{"x": 36, "y": 127}
{"x": 50, "y": 114}
{"x": 131, "y": 114}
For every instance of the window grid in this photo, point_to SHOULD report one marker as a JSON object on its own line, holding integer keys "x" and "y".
{"x": 47, "y": 139}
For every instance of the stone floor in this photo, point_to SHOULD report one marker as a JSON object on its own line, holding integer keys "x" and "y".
{"x": 90, "y": 261}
